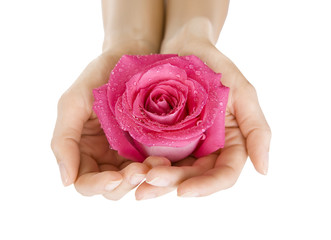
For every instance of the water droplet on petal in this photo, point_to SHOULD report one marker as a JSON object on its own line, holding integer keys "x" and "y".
{"x": 177, "y": 75}
{"x": 120, "y": 70}
{"x": 199, "y": 122}
{"x": 100, "y": 101}
{"x": 221, "y": 103}
{"x": 203, "y": 137}
{"x": 135, "y": 83}
{"x": 112, "y": 72}
{"x": 190, "y": 66}
{"x": 222, "y": 111}
{"x": 187, "y": 58}
{"x": 198, "y": 73}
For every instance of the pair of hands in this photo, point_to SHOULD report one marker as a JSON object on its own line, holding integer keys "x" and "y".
{"x": 85, "y": 159}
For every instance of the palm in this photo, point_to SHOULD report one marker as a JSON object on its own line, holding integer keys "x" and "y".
{"x": 95, "y": 151}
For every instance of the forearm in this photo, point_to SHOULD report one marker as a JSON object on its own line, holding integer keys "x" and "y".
{"x": 197, "y": 19}
{"x": 133, "y": 25}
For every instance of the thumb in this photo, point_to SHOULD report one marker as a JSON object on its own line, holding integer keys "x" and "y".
{"x": 72, "y": 114}
{"x": 253, "y": 126}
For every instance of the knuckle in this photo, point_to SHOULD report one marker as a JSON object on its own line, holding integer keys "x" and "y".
{"x": 54, "y": 145}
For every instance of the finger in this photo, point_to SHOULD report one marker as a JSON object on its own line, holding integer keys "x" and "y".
{"x": 133, "y": 175}
{"x": 94, "y": 183}
{"x": 161, "y": 180}
{"x": 167, "y": 176}
{"x": 225, "y": 173}
{"x": 91, "y": 181}
{"x": 65, "y": 142}
{"x": 254, "y": 127}
{"x": 146, "y": 191}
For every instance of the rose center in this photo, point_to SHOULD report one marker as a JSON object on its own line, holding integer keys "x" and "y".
{"x": 160, "y": 104}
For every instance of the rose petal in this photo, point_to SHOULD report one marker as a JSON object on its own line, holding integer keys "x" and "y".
{"x": 215, "y": 135}
{"x": 117, "y": 138}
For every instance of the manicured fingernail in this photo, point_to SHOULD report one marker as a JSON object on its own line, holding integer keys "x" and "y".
{"x": 159, "y": 182}
{"x": 189, "y": 194}
{"x": 112, "y": 185}
{"x": 137, "y": 178}
{"x": 148, "y": 196}
{"x": 266, "y": 164}
{"x": 64, "y": 174}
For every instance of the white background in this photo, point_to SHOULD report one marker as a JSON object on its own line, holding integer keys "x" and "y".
{"x": 282, "y": 47}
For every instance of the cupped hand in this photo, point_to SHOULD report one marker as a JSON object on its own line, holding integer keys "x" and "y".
{"x": 80, "y": 146}
{"x": 246, "y": 134}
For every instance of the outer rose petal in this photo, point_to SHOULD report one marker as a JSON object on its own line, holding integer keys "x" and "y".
{"x": 215, "y": 135}
{"x": 117, "y": 138}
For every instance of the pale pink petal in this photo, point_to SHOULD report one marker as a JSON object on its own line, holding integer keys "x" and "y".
{"x": 172, "y": 153}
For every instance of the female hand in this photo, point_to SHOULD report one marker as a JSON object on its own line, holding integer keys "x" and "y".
{"x": 80, "y": 146}
{"x": 246, "y": 129}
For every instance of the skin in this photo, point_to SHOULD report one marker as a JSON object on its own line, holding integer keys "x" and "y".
{"x": 80, "y": 146}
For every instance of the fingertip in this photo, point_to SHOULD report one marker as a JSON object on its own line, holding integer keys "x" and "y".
{"x": 154, "y": 161}
{"x": 262, "y": 164}
{"x": 64, "y": 174}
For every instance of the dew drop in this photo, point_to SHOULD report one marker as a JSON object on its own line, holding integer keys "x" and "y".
{"x": 190, "y": 66}
{"x": 187, "y": 58}
{"x": 135, "y": 83}
{"x": 113, "y": 89}
{"x": 221, "y": 103}
{"x": 100, "y": 101}
{"x": 199, "y": 122}
{"x": 120, "y": 70}
{"x": 222, "y": 111}
{"x": 177, "y": 75}
{"x": 198, "y": 73}
{"x": 203, "y": 137}
{"x": 112, "y": 73}
{"x": 195, "y": 92}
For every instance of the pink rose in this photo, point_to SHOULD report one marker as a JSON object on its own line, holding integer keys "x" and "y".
{"x": 162, "y": 105}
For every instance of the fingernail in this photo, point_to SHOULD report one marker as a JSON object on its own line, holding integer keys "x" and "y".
{"x": 266, "y": 164}
{"x": 112, "y": 185}
{"x": 148, "y": 196}
{"x": 159, "y": 182}
{"x": 137, "y": 178}
{"x": 189, "y": 194}
{"x": 64, "y": 174}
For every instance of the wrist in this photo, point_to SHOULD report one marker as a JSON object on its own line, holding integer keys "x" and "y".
{"x": 195, "y": 32}
{"x": 126, "y": 45}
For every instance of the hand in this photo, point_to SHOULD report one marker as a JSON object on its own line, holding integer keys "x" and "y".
{"x": 246, "y": 132}
{"x": 80, "y": 146}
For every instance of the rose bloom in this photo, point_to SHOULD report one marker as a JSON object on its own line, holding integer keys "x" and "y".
{"x": 162, "y": 105}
